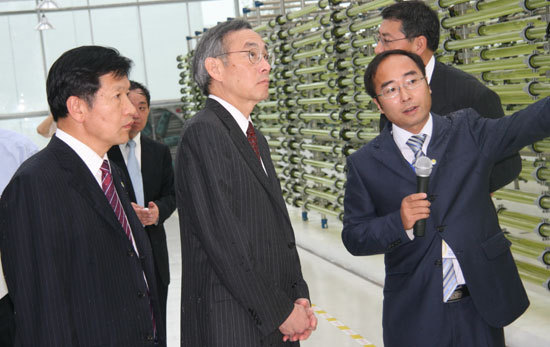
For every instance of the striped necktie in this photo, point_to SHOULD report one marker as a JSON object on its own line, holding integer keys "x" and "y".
{"x": 251, "y": 137}
{"x": 112, "y": 195}
{"x": 415, "y": 142}
{"x": 135, "y": 173}
{"x": 449, "y": 278}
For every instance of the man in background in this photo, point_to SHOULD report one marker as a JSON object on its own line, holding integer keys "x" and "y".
{"x": 242, "y": 284}
{"x": 413, "y": 26}
{"x": 77, "y": 261}
{"x": 147, "y": 165}
{"x": 14, "y": 150}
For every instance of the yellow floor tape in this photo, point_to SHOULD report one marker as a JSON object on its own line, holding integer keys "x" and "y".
{"x": 345, "y": 329}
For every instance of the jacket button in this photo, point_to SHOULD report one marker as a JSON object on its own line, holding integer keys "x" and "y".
{"x": 431, "y": 197}
{"x": 131, "y": 253}
{"x": 291, "y": 245}
{"x": 438, "y": 262}
{"x": 441, "y": 228}
{"x": 140, "y": 294}
{"x": 149, "y": 337}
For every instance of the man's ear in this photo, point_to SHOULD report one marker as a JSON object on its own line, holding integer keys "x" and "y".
{"x": 420, "y": 44}
{"x": 214, "y": 67}
{"x": 378, "y": 105}
{"x": 77, "y": 108}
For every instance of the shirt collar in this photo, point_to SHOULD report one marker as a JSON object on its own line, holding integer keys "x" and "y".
{"x": 92, "y": 160}
{"x": 241, "y": 120}
{"x": 400, "y": 136}
{"x": 430, "y": 69}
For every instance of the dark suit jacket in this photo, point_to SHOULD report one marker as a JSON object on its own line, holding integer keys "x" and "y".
{"x": 241, "y": 272}
{"x": 453, "y": 90}
{"x": 158, "y": 186}
{"x": 465, "y": 147}
{"x": 72, "y": 272}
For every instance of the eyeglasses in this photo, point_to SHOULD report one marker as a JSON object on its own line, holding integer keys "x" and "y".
{"x": 255, "y": 55}
{"x": 392, "y": 91}
{"x": 384, "y": 41}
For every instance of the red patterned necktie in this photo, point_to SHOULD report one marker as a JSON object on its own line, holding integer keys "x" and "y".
{"x": 111, "y": 194}
{"x": 251, "y": 136}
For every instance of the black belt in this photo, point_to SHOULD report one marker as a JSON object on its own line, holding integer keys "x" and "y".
{"x": 460, "y": 292}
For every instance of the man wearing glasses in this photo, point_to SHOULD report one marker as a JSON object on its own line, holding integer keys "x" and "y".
{"x": 414, "y": 27}
{"x": 242, "y": 283}
{"x": 434, "y": 296}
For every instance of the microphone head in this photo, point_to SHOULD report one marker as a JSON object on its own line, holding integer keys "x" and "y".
{"x": 423, "y": 166}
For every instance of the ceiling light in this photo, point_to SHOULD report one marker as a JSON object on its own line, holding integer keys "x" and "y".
{"x": 44, "y": 24}
{"x": 46, "y": 5}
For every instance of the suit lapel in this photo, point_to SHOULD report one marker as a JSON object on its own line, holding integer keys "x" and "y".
{"x": 387, "y": 152}
{"x": 81, "y": 179}
{"x": 439, "y": 141}
{"x": 242, "y": 144}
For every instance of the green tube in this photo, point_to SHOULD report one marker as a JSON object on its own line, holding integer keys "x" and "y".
{"x": 542, "y": 147}
{"x": 515, "y": 195}
{"x": 329, "y": 182}
{"x": 311, "y": 53}
{"x": 309, "y": 86}
{"x": 312, "y": 69}
{"x": 482, "y": 15}
{"x": 505, "y": 52}
{"x": 508, "y": 26}
{"x": 532, "y": 271}
{"x": 309, "y": 25}
{"x": 314, "y": 132}
{"x": 264, "y": 117}
{"x": 530, "y": 33}
{"x": 307, "y": 41}
{"x": 311, "y": 206}
{"x": 321, "y": 194}
{"x": 324, "y": 164}
{"x": 353, "y": 11}
{"x": 365, "y": 24}
{"x": 449, "y": 3}
{"x": 307, "y": 10}
{"x": 503, "y": 64}
{"x": 318, "y": 148}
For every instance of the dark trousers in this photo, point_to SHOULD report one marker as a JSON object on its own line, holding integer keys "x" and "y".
{"x": 7, "y": 324}
{"x": 163, "y": 294}
{"x": 465, "y": 327}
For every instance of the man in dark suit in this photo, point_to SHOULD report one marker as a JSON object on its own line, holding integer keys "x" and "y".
{"x": 458, "y": 285}
{"x": 150, "y": 170}
{"x": 77, "y": 261}
{"x": 413, "y": 26}
{"x": 242, "y": 283}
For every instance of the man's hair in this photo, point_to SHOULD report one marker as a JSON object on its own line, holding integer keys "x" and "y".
{"x": 417, "y": 19}
{"x": 212, "y": 44}
{"x": 136, "y": 85}
{"x": 77, "y": 73}
{"x": 370, "y": 73}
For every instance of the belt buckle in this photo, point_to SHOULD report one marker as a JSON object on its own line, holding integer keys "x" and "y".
{"x": 459, "y": 293}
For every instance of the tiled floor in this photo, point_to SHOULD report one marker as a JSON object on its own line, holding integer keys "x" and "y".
{"x": 349, "y": 289}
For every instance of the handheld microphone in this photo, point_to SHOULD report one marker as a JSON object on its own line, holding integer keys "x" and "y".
{"x": 423, "y": 167}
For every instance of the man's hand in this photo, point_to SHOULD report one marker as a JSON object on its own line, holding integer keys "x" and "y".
{"x": 296, "y": 324}
{"x": 414, "y": 207}
{"x": 149, "y": 215}
{"x": 312, "y": 322}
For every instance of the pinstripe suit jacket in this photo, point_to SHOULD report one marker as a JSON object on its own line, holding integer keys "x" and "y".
{"x": 241, "y": 272}
{"x": 72, "y": 273}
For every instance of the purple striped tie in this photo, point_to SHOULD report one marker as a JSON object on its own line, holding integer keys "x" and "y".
{"x": 111, "y": 194}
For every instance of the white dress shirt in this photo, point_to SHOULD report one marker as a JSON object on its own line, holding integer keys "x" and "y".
{"x": 241, "y": 120}
{"x": 400, "y": 136}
